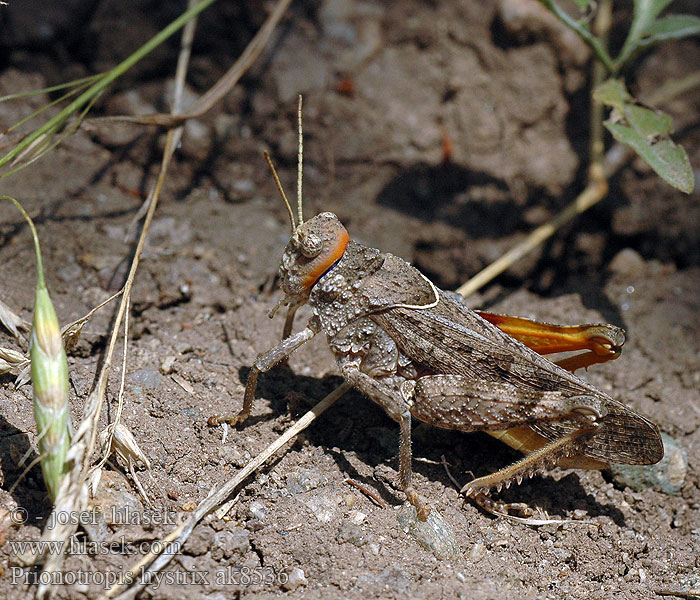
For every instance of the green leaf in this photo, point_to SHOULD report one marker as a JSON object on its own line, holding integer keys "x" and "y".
{"x": 581, "y": 28}
{"x": 647, "y": 122}
{"x": 645, "y": 13}
{"x": 647, "y": 132}
{"x": 668, "y": 160}
{"x": 672, "y": 27}
{"x": 613, "y": 93}
{"x": 582, "y": 4}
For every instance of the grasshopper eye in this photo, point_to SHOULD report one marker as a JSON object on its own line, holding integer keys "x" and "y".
{"x": 311, "y": 245}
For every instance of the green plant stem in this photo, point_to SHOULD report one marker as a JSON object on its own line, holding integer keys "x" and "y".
{"x": 83, "y": 81}
{"x": 40, "y": 283}
{"x": 595, "y": 44}
{"x": 601, "y": 26}
{"x": 65, "y": 96}
{"x": 99, "y": 86}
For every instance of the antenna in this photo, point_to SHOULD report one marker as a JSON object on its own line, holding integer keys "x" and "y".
{"x": 300, "y": 166}
{"x": 281, "y": 191}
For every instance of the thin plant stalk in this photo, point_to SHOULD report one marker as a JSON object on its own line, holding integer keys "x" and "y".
{"x": 99, "y": 86}
{"x": 49, "y": 368}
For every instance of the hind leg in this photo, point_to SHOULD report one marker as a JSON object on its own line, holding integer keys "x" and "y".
{"x": 603, "y": 342}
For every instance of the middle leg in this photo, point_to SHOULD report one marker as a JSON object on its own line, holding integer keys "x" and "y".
{"x": 396, "y": 407}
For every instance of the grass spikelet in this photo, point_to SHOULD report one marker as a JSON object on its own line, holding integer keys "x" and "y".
{"x": 49, "y": 368}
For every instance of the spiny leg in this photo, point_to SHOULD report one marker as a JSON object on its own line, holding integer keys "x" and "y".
{"x": 395, "y": 406}
{"x": 528, "y": 466}
{"x": 263, "y": 363}
{"x": 463, "y": 403}
{"x": 603, "y": 342}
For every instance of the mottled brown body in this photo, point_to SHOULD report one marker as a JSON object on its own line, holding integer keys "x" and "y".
{"x": 420, "y": 352}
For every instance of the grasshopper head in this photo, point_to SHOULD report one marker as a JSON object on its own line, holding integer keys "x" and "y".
{"x": 315, "y": 246}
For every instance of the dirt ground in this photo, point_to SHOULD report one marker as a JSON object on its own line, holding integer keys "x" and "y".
{"x": 385, "y": 85}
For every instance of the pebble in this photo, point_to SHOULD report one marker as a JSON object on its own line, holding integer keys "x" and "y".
{"x": 434, "y": 534}
{"x": 305, "y": 481}
{"x": 323, "y": 507}
{"x": 350, "y": 533}
{"x": 257, "y": 510}
{"x": 296, "y": 578}
{"x": 166, "y": 366}
{"x": 627, "y": 263}
{"x": 199, "y": 542}
{"x": 477, "y": 552}
{"x": 149, "y": 377}
{"x": 667, "y": 475}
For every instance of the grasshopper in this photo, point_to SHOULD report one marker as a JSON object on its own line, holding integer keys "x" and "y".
{"x": 418, "y": 351}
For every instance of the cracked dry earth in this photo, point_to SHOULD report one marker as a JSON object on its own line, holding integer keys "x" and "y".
{"x": 207, "y": 282}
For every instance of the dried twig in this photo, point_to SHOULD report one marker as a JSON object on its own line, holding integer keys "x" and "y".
{"x": 220, "y": 88}
{"x": 73, "y": 494}
{"x": 371, "y": 494}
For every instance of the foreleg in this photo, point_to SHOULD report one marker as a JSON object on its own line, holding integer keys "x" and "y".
{"x": 263, "y": 363}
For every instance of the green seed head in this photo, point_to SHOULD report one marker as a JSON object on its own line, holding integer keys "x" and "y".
{"x": 49, "y": 368}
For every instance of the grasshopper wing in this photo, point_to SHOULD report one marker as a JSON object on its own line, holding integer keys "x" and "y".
{"x": 451, "y": 339}
{"x": 624, "y": 436}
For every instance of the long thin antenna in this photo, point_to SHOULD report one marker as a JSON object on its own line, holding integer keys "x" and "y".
{"x": 300, "y": 166}
{"x": 279, "y": 187}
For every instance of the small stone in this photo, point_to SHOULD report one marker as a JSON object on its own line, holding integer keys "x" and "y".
{"x": 166, "y": 367}
{"x": 477, "y": 552}
{"x": 257, "y": 510}
{"x": 434, "y": 534}
{"x": 148, "y": 377}
{"x": 357, "y": 517}
{"x": 295, "y": 578}
{"x": 350, "y": 533}
{"x": 627, "y": 263}
{"x": 304, "y": 481}
{"x": 667, "y": 475}
{"x": 199, "y": 541}
{"x": 231, "y": 455}
{"x": 323, "y": 507}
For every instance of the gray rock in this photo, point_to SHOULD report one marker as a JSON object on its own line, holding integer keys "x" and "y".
{"x": 148, "y": 377}
{"x": 351, "y": 533}
{"x": 434, "y": 534}
{"x": 295, "y": 578}
{"x": 199, "y": 541}
{"x": 305, "y": 481}
{"x": 667, "y": 475}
